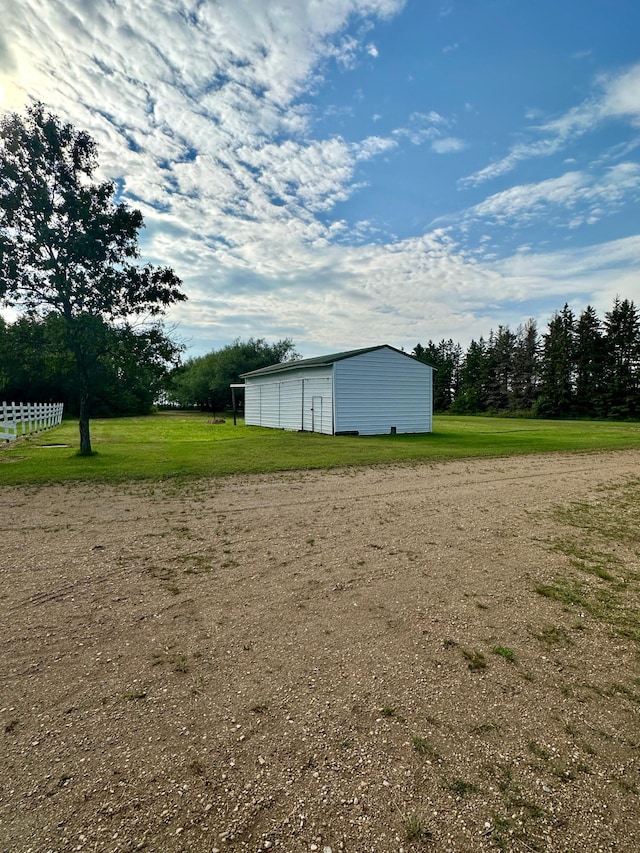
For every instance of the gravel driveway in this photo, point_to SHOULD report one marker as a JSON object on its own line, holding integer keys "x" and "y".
{"x": 356, "y": 660}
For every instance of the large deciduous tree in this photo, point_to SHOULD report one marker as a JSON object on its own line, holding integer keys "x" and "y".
{"x": 128, "y": 375}
{"x": 205, "y": 381}
{"x": 67, "y": 246}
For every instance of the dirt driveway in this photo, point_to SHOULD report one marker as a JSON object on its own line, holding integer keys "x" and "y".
{"x": 383, "y": 659}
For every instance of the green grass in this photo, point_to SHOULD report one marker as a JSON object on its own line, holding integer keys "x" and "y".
{"x": 505, "y": 652}
{"x": 476, "y": 660}
{"x": 175, "y": 445}
{"x": 602, "y": 547}
{"x": 416, "y": 830}
{"x": 423, "y": 746}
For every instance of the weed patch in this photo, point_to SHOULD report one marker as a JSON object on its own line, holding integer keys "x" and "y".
{"x": 504, "y": 652}
{"x": 537, "y": 750}
{"x": 476, "y": 660}
{"x": 134, "y": 695}
{"x": 485, "y": 728}
{"x": 416, "y": 830}
{"x": 462, "y": 788}
{"x": 423, "y": 746}
{"x": 553, "y": 636}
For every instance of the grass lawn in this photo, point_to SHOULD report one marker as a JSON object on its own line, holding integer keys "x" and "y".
{"x": 190, "y": 445}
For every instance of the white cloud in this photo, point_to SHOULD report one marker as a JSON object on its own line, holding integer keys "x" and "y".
{"x": 428, "y": 282}
{"x": 448, "y": 145}
{"x": 422, "y": 126}
{"x": 600, "y": 266}
{"x": 618, "y": 98}
{"x": 622, "y": 96}
{"x": 201, "y": 90}
{"x": 590, "y": 196}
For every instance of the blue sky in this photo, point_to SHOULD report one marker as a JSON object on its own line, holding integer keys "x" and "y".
{"x": 356, "y": 172}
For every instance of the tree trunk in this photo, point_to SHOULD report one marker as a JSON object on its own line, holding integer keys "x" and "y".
{"x": 83, "y": 423}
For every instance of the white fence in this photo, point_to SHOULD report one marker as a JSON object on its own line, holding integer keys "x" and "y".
{"x": 18, "y": 419}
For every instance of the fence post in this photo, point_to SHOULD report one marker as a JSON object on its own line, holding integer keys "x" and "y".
{"x": 25, "y": 418}
{"x": 4, "y": 432}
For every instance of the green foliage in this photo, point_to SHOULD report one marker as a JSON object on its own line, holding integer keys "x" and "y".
{"x": 504, "y": 652}
{"x": 580, "y": 367}
{"x": 128, "y": 368}
{"x": 205, "y": 382}
{"x": 622, "y": 326}
{"x": 557, "y": 370}
{"x": 416, "y": 830}
{"x": 590, "y": 354}
{"x": 499, "y": 380}
{"x": 470, "y": 396}
{"x": 445, "y": 357}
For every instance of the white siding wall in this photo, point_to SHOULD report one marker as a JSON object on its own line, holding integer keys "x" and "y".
{"x": 290, "y": 395}
{"x": 296, "y": 399}
{"x": 318, "y": 403}
{"x": 378, "y": 390}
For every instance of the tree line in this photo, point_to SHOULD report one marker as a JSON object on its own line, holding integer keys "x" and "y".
{"x": 204, "y": 381}
{"x": 581, "y": 366}
{"x": 127, "y": 366}
{"x": 131, "y": 369}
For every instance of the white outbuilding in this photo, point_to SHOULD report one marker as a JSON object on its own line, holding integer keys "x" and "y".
{"x": 367, "y": 391}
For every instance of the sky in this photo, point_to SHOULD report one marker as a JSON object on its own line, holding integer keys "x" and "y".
{"x": 348, "y": 173}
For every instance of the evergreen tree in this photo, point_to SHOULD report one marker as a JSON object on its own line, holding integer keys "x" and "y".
{"x": 445, "y": 357}
{"x": 524, "y": 383}
{"x": 471, "y": 395}
{"x": 622, "y": 325}
{"x": 502, "y": 345}
{"x": 556, "y": 398}
{"x": 590, "y": 365}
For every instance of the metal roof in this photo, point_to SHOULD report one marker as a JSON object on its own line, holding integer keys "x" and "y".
{"x": 320, "y": 360}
